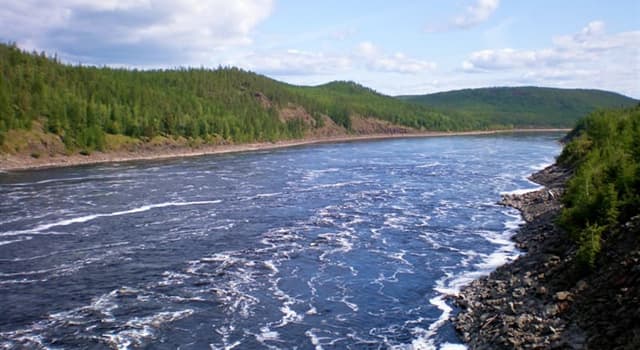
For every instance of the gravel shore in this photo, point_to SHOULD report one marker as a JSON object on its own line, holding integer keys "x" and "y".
{"x": 540, "y": 301}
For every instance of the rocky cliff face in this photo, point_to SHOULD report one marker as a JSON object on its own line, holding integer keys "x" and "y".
{"x": 541, "y": 301}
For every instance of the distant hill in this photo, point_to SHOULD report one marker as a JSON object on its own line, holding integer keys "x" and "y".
{"x": 522, "y": 106}
{"x": 83, "y": 108}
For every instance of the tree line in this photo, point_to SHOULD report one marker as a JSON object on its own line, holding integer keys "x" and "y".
{"x": 524, "y": 106}
{"x": 82, "y": 104}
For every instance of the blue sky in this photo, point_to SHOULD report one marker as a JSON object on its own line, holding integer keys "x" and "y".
{"x": 395, "y": 47}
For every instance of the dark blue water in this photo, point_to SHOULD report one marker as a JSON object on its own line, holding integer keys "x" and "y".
{"x": 350, "y": 245}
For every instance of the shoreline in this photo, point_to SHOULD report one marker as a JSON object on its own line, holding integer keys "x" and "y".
{"x": 521, "y": 304}
{"x": 542, "y": 300}
{"x": 26, "y": 162}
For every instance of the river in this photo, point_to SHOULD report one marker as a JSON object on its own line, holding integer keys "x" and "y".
{"x": 336, "y": 246}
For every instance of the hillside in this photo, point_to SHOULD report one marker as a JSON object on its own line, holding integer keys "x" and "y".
{"x": 72, "y": 109}
{"x": 523, "y": 106}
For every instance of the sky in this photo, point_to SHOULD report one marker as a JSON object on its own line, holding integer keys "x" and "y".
{"x": 395, "y": 47}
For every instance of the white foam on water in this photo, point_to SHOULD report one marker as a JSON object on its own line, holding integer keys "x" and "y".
{"x": 353, "y": 306}
{"x": 400, "y": 257}
{"x": 138, "y": 329}
{"x": 25, "y": 238}
{"x": 99, "y": 310}
{"x": 469, "y": 255}
{"x": 279, "y": 238}
{"x": 233, "y": 275}
{"x": 375, "y": 233}
{"x": 521, "y": 191}
{"x": 315, "y": 340}
{"x": 178, "y": 299}
{"x": 226, "y": 227}
{"x": 357, "y": 219}
{"x": 424, "y": 339}
{"x": 507, "y": 250}
{"x": 342, "y": 241}
{"x": 312, "y": 310}
{"x": 269, "y": 264}
{"x": 450, "y": 284}
{"x": 56, "y": 271}
{"x": 395, "y": 222}
{"x": 547, "y": 163}
{"x": 312, "y": 288}
{"x": 496, "y": 259}
{"x": 20, "y": 281}
{"x": 516, "y": 221}
{"x": 67, "y": 268}
{"x": 226, "y": 346}
{"x": 265, "y": 195}
{"x": 312, "y": 175}
{"x": 82, "y": 219}
{"x": 382, "y": 278}
{"x": 289, "y": 315}
{"x": 335, "y": 185}
{"x": 67, "y": 179}
{"x": 158, "y": 319}
{"x": 429, "y": 165}
{"x": 225, "y": 331}
{"x": 429, "y": 238}
{"x": 170, "y": 278}
{"x": 21, "y": 340}
{"x": 267, "y": 334}
{"x": 29, "y": 273}
{"x": 420, "y": 342}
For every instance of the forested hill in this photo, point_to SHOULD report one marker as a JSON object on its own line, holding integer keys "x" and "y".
{"x": 87, "y": 108}
{"x": 523, "y": 106}
{"x": 72, "y": 109}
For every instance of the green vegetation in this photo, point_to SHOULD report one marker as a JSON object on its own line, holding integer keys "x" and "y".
{"x": 342, "y": 99}
{"x": 523, "y": 106}
{"x": 84, "y": 105}
{"x": 605, "y": 189}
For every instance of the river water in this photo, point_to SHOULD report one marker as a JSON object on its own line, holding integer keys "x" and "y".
{"x": 336, "y": 246}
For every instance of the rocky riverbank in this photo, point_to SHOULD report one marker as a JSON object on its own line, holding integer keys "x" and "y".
{"x": 541, "y": 301}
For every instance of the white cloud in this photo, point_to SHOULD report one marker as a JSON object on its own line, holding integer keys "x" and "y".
{"x": 588, "y": 46}
{"x": 593, "y": 38}
{"x": 476, "y": 13}
{"x": 509, "y": 58}
{"x": 342, "y": 34}
{"x": 368, "y": 49}
{"x": 294, "y": 62}
{"x": 375, "y": 59}
{"x": 366, "y": 57}
{"x": 178, "y": 31}
{"x": 590, "y": 57}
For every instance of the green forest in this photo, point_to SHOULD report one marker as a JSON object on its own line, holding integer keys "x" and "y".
{"x": 604, "y": 192}
{"x": 83, "y": 104}
{"x": 523, "y": 106}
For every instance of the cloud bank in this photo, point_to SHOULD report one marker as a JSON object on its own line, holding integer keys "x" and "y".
{"x": 589, "y": 57}
{"x": 476, "y": 13}
{"x": 133, "y": 31}
{"x": 366, "y": 56}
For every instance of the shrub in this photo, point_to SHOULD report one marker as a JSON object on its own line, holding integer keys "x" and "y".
{"x": 605, "y": 189}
